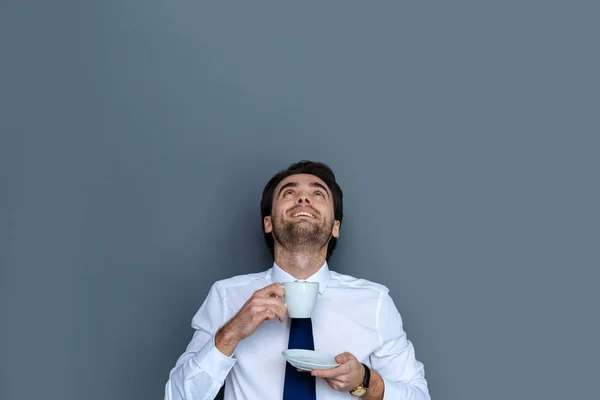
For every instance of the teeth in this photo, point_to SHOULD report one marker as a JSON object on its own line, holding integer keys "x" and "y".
{"x": 304, "y": 213}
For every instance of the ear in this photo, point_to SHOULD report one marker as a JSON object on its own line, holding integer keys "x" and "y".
{"x": 267, "y": 224}
{"x": 335, "y": 231}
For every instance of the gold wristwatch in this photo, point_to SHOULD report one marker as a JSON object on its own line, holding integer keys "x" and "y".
{"x": 361, "y": 389}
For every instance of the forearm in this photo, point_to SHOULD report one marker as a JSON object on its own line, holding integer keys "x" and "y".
{"x": 186, "y": 383}
{"x": 402, "y": 375}
{"x": 225, "y": 341}
{"x": 199, "y": 374}
{"x": 414, "y": 389}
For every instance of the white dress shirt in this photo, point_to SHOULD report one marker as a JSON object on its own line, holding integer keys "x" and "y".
{"x": 351, "y": 314}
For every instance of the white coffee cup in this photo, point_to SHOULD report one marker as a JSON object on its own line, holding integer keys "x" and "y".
{"x": 300, "y": 298}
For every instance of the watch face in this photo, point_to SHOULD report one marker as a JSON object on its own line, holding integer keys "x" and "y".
{"x": 358, "y": 391}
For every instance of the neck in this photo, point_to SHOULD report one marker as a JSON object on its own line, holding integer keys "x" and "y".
{"x": 300, "y": 264}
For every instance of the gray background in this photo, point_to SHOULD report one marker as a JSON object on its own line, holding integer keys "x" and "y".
{"x": 136, "y": 137}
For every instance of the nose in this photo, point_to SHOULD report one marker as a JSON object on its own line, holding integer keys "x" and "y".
{"x": 303, "y": 198}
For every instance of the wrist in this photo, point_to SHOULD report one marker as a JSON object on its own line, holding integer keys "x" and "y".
{"x": 362, "y": 376}
{"x": 361, "y": 387}
{"x": 226, "y": 340}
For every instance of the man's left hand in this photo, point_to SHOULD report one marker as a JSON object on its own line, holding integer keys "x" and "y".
{"x": 345, "y": 377}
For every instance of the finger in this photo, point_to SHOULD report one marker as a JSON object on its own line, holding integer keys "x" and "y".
{"x": 266, "y": 314}
{"x": 341, "y": 358}
{"x": 272, "y": 312}
{"x": 335, "y": 384}
{"x": 273, "y": 304}
{"x": 330, "y": 373}
{"x": 279, "y": 293}
{"x": 344, "y": 358}
{"x": 280, "y": 312}
{"x": 268, "y": 301}
{"x": 331, "y": 384}
{"x": 255, "y": 309}
{"x": 340, "y": 380}
{"x": 273, "y": 289}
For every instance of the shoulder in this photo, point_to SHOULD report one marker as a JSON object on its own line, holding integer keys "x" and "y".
{"x": 351, "y": 282}
{"x": 240, "y": 281}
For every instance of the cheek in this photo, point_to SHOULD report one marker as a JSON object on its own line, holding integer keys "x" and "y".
{"x": 276, "y": 216}
{"x": 328, "y": 211}
{"x": 278, "y": 211}
{"x": 281, "y": 206}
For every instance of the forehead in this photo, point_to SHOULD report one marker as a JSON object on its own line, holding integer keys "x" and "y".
{"x": 302, "y": 179}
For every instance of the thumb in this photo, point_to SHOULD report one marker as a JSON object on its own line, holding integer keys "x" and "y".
{"x": 342, "y": 358}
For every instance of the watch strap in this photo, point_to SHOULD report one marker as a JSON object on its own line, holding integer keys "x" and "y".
{"x": 367, "y": 376}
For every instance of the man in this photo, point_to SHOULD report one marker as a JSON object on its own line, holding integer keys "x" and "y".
{"x": 242, "y": 327}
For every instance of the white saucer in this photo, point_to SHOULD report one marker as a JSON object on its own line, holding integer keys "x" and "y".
{"x": 307, "y": 360}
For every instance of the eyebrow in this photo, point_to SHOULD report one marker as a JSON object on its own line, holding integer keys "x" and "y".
{"x": 317, "y": 184}
{"x": 287, "y": 185}
{"x": 295, "y": 184}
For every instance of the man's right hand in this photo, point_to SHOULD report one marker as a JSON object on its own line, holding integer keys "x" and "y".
{"x": 265, "y": 304}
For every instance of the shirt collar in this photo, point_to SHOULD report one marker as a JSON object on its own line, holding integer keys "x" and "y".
{"x": 321, "y": 276}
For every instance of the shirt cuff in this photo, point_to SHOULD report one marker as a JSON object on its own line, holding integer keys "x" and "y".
{"x": 393, "y": 390}
{"x": 213, "y": 362}
{"x": 399, "y": 390}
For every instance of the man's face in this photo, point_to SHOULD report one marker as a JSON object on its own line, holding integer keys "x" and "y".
{"x": 302, "y": 213}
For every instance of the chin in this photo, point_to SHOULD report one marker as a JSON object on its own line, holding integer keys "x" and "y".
{"x": 302, "y": 226}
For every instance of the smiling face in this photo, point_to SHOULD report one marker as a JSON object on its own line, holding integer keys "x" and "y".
{"x": 302, "y": 215}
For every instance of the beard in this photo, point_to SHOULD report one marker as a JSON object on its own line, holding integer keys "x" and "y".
{"x": 301, "y": 236}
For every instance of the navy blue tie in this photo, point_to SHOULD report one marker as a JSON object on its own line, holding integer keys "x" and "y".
{"x": 299, "y": 385}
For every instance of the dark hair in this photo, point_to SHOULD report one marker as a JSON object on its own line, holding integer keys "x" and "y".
{"x": 317, "y": 169}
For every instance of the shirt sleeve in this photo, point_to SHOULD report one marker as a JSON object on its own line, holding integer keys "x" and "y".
{"x": 201, "y": 370}
{"x": 403, "y": 375}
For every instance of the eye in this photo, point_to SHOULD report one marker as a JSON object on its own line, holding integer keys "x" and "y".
{"x": 319, "y": 193}
{"x": 289, "y": 191}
